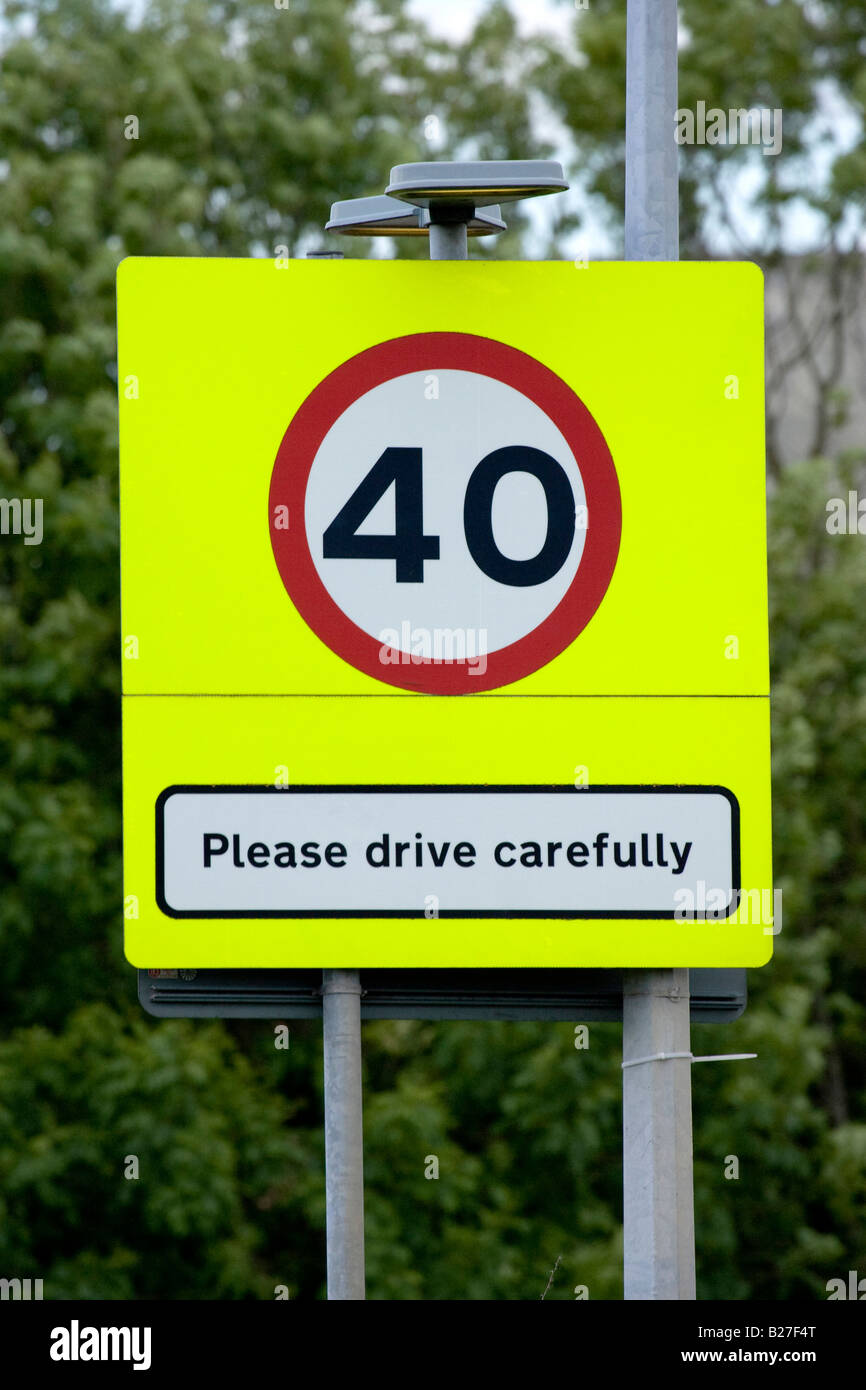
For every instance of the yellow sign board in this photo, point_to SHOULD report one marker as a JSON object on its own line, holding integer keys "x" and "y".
{"x": 444, "y": 614}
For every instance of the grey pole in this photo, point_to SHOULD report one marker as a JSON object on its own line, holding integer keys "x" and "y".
{"x": 449, "y": 218}
{"x": 341, "y": 1021}
{"x": 448, "y": 241}
{"x": 658, "y": 1184}
{"x": 651, "y": 177}
{"x": 344, "y": 1135}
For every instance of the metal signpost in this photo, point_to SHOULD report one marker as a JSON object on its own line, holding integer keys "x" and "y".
{"x": 658, "y": 1183}
{"x": 344, "y": 1133}
{"x": 447, "y": 206}
{"x": 353, "y": 489}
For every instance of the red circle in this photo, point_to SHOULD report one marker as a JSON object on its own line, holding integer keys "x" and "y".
{"x": 429, "y": 352}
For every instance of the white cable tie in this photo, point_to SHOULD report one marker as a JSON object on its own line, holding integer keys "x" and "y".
{"x": 672, "y": 1056}
{"x": 656, "y": 1057}
{"x": 726, "y": 1057}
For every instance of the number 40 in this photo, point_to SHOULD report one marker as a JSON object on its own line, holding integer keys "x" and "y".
{"x": 408, "y": 547}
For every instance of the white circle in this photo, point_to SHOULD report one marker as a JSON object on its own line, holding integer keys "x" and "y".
{"x": 456, "y": 418}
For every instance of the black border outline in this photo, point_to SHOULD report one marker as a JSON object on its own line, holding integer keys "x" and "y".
{"x": 443, "y": 788}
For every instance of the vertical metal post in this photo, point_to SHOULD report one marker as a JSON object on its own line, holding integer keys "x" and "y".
{"x": 448, "y": 241}
{"x": 341, "y": 1024}
{"x": 658, "y": 1196}
{"x": 651, "y": 177}
{"x": 658, "y": 1182}
{"x": 344, "y": 1135}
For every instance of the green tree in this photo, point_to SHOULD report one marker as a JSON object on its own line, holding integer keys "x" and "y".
{"x": 134, "y": 1160}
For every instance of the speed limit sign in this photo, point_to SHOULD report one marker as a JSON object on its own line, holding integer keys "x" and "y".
{"x": 444, "y": 614}
{"x": 445, "y": 513}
